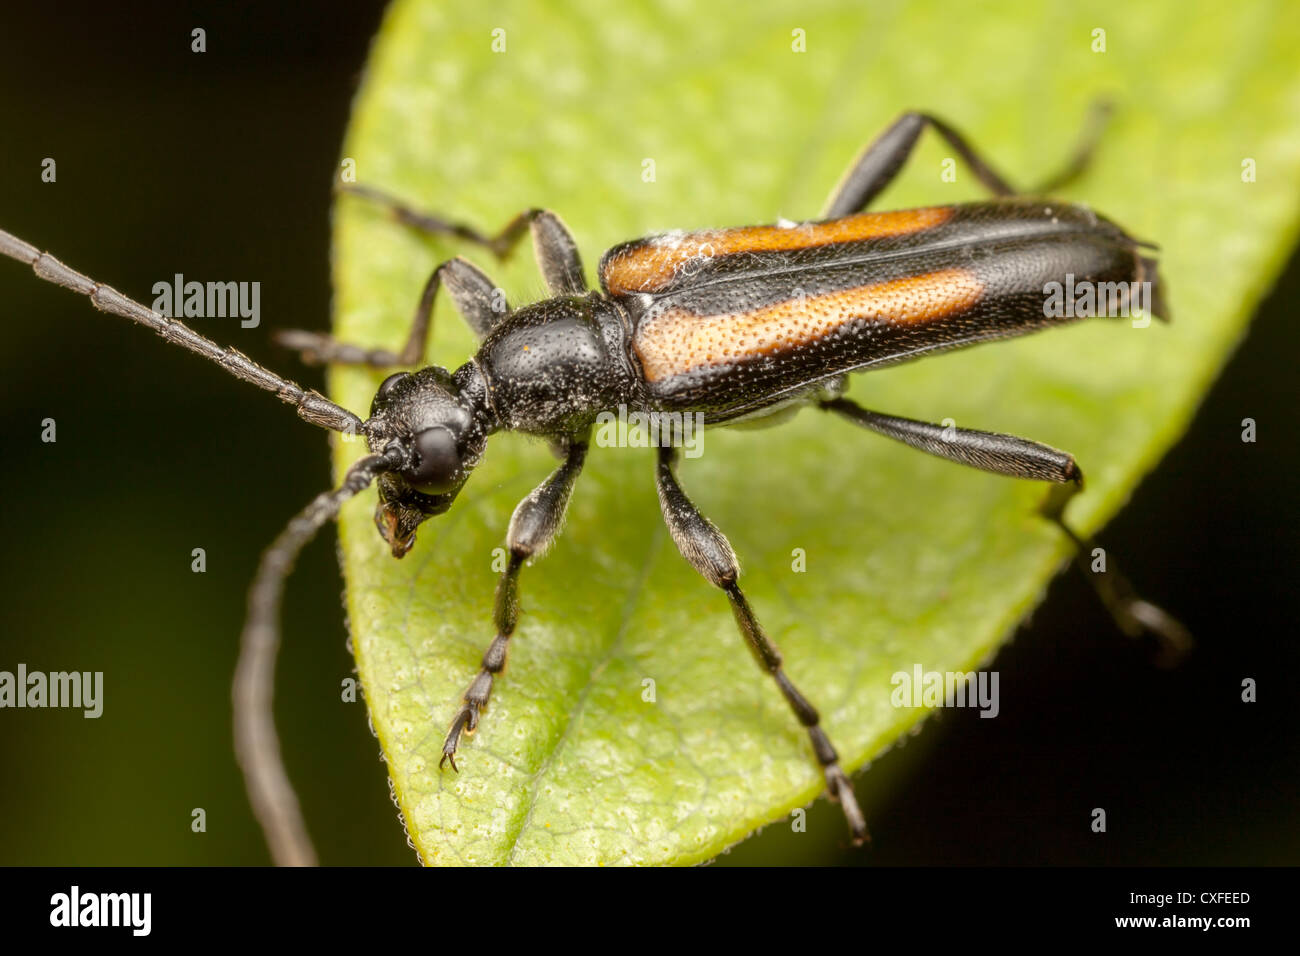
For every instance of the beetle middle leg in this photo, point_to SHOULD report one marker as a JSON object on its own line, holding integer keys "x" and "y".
{"x": 533, "y": 526}
{"x": 877, "y": 165}
{"x": 473, "y": 293}
{"x": 1022, "y": 458}
{"x": 709, "y": 552}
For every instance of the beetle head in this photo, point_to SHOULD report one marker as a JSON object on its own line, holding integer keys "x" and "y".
{"x": 439, "y": 421}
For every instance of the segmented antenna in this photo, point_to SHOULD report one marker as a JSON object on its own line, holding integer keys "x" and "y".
{"x": 257, "y": 746}
{"x": 311, "y": 406}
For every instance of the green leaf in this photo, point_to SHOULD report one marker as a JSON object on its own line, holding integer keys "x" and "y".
{"x": 909, "y": 559}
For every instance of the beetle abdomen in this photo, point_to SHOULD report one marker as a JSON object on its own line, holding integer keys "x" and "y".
{"x": 663, "y": 263}
{"x": 727, "y": 320}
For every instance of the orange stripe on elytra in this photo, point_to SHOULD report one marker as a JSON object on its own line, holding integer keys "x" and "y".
{"x": 676, "y": 341}
{"x": 650, "y": 267}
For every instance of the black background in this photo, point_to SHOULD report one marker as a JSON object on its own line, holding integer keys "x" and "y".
{"x": 219, "y": 165}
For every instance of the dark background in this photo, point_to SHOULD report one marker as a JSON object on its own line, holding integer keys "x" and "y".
{"x": 218, "y": 165}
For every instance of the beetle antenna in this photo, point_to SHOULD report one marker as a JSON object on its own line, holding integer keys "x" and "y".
{"x": 311, "y": 406}
{"x": 257, "y": 746}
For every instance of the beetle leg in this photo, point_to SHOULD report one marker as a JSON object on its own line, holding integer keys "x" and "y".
{"x": 556, "y": 250}
{"x": 987, "y": 451}
{"x": 878, "y": 164}
{"x": 533, "y": 526}
{"x": 709, "y": 552}
{"x": 1022, "y": 458}
{"x": 482, "y": 304}
{"x": 1132, "y": 614}
{"x": 471, "y": 291}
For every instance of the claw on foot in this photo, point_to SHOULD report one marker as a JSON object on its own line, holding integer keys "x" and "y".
{"x": 464, "y": 722}
{"x": 1170, "y": 633}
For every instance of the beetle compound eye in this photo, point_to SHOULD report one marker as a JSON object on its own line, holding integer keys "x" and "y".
{"x": 386, "y": 386}
{"x": 437, "y": 461}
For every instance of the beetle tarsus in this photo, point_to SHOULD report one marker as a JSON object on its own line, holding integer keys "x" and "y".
{"x": 533, "y": 526}
{"x": 1132, "y": 614}
{"x": 840, "y": 789}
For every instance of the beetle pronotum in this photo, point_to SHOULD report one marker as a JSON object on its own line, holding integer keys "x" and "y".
{"x": 731, "y": 324}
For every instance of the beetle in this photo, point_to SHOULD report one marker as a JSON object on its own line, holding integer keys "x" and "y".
{"x": 743, "y": 324}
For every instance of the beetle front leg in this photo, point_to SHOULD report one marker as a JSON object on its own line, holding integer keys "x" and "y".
{"x": 553, "y": 243}
{"x": 476, "y": 298}
{"x": 480, "y": 303}
{"x": 709, "y": 552}
{"x": 533, "y": 526}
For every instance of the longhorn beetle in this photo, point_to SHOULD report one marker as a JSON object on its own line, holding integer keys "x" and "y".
{"x": 735, "y": 324}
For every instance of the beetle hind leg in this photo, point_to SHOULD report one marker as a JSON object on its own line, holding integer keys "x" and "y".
{"x": 1022, "y": 458}
{"x": 878, "y": 165}
{"x": 1132, "y": 614}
